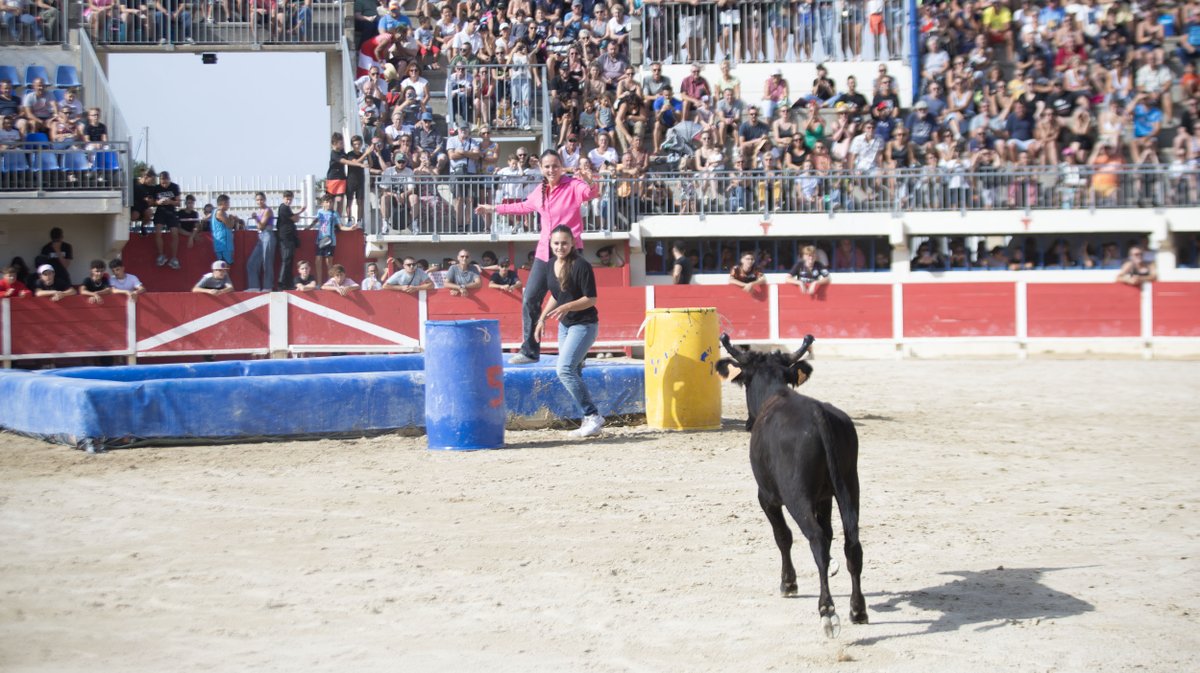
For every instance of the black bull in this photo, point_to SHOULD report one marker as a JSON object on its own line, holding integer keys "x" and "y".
{"x": 803, "y": 453}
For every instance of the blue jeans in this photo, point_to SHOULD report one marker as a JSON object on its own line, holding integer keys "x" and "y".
{"x": 522, "y": 100}
{"x": 260, "y": 268}
{"x": 827, "y": 28}
{"x": 14, "y": 29}
{"x": 531, "y": 308}
{"x": 573, "y": 345}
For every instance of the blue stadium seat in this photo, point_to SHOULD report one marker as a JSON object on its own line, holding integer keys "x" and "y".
{"x": 67, "y": 77}
{"x": 59, "y": 95}
{"x": 106, "y": 170}
{"x": 33, "y": 139}
{"x": 35, "y": 72}
{"x": 9, "y": 73}
{"x": 74, "y": 169}
{"x": 14, "y": 170}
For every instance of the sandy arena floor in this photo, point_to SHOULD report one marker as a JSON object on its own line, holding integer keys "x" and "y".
{"x": 1017, "y": 516}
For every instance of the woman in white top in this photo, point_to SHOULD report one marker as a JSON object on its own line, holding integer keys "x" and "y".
{"x": 523, "y": 79}
{"x": 418, "y": 83}
{"x": 603, "y": 152}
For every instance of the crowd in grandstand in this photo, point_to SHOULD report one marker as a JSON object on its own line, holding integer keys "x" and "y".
{"x": 1021, "y": 105}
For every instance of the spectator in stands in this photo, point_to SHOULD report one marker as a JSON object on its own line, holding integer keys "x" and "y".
{"x": 753, "y": 135}
{"x": 607, "y": 257}
{"x": 260, "y": 266}
{"x": 10, "y": 105}
{"x": 464, "y": 276}
{"x": 17, "y": 14}
{"x": 848, "y": 257}
{"x": 776, "y": 94}
{"x": 98, "y": 14}
{"x": 305, "y": 281}
{"x": 58, "y": 254}
{"x": 428, "y": 140}
{"x": 222, "y": 225}
{"x": 94, "y": 131}
{"x": 522, "y": 79}
{"x": 37, "y": 107}
{"x": 409, "y": 278}
{"x": 809, "y": 273}
{"x": 692, "y": 89}
{"x": 122, "y": 282}
{"x": 335, "y": 176}
{"x": 338, "y": 281}
{"x": 682, "y": 268}
{"x": 504, "y": 277}
{"x": 465, "y": 155}
{"x": 1020, "y": 126}
{"x": 747, "y": 275}
{"x": 327, "y": 223}
{"x": 935, "y": 63}
{"x": 613, "y": 65}
{"x": 96, "y": 285}
{"x": 216, "y": 282}
{"x": 51, "y": 285}
{"x": 366, "y": 18}
{"x": 287, "y": 238}
{"x": 603, "y": 153}
{"x": 11, "y": 284}
{"x": 166, "y": 197}
{"x": 371, "y": 281}
{"x": 1136, "y": 269}
{"x": 1155, "y": 79}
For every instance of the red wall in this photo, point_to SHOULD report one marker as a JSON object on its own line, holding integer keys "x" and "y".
{"x": 836, "y": 312}
{"x": 395, "y": 311}
{"x": 1176, "y": 309}
{"x": 1083, "y": 310}
{"x": 71, "y": 325}
{"x": 159, "y": 312}
{"x": 743, "y": 315}
{"x": 960, "y": 309}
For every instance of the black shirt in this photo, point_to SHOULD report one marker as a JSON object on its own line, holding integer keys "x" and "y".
{"x": 285, "y": 226}
{"x": 337, "y": 170}
{"x": 188, "y": 219}
{"x": 60, "y": 284}
{"x": 94, "y": 286}
{"x": 169, "y": 191}
{"x": 581, "y": 282}
{"x": 685, "y": 270}
{"x": 509, "y": 278}
{"x": 855, "y": 100}
{"x": 95, "y": 133}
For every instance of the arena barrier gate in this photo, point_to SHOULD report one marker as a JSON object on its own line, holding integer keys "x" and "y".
{"x": 279, "y": 324}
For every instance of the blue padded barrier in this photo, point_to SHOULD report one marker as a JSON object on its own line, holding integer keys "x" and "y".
{"x": 262, "y": 399}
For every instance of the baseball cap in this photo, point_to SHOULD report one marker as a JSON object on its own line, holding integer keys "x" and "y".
{"x": 921, "y": 105}
{"x": 427, "y": 116}
{"x": 504, "y": 25}
{"x": 44, "y": 268}
{"x": 220, "y": 264}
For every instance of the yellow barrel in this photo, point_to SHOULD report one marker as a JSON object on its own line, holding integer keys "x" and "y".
{"x": 683, "y": 389}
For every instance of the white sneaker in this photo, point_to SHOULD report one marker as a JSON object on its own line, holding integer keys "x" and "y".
{"x": 161, "y": 261}
{"x": 520, "y": 359}
{"x": 174, "y": 264}
{"x": 591, "y": 426}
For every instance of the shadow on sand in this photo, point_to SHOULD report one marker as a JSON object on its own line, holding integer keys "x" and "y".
{"x": 988, "y": 598}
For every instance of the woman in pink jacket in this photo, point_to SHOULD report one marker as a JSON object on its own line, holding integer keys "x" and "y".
{"x": 557, "y": 202}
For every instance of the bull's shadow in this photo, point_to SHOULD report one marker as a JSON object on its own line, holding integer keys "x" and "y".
{"x": 988, "y": 598}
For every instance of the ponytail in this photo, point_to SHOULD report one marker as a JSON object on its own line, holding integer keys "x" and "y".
{"x": 568, "y": 261}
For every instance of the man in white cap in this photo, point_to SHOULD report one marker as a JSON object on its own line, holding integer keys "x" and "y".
{"x": 48, "y": 285}
{"x": 217, "y": 281}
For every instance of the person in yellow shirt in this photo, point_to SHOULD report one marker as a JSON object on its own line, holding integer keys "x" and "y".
{"x": 997, "y": 21}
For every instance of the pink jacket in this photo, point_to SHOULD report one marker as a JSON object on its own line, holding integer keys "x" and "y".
{"x": 560, "y": 207}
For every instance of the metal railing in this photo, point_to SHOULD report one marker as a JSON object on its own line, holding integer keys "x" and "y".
{"x": 249, "y": 23}
{"x": 33, "y": 25}
{"x": 441, "y": 205}
{"x": 773, "y": 31}
{"x": 98, "y": 92}
{"x": 1048, "y": 187}
{"x": 444, "y": 204}
{"x": 70, "y": 170}
{"x": 502, "y": 96}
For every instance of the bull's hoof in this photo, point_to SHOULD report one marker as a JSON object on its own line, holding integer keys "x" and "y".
{"x": 831, "y": 625}
{"x": 788, "y": 589}
{"x": 859, "y": 617}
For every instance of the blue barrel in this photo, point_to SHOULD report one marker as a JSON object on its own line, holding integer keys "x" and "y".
{"x": 464, "y": 385}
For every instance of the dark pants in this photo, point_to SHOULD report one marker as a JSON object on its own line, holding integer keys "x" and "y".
{"x": 287, "y": 265}
{"x": 531, "y": 307}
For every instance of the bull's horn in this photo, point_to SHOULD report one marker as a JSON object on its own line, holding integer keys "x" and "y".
{"x": 808, "y": 340}
{"x": 734, "y": 352}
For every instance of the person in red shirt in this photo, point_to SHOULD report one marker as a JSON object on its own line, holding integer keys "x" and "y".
{"x": 11, "y": 286}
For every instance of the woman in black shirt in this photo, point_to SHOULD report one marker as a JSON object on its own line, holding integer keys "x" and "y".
{"x": 572, "y": 302}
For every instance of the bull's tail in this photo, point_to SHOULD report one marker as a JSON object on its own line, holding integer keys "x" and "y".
{"x": 832, "y": 438}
